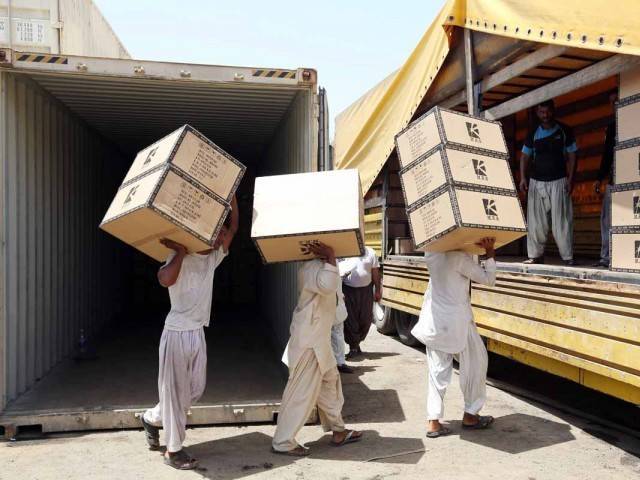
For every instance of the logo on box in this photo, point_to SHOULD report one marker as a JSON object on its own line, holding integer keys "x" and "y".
{"x": 637, "y": 252}
{"x": 150, "y": 155}
{"x": 474, "y": 132}
{"x": 305, "y": 246}
{"x": 636, "y": 207}
{"x": 131, "y": 194}
{"x": 490, "y": 208}
{"x": 480, "y": 168}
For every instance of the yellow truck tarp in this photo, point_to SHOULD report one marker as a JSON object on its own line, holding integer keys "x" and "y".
{"x": 365, "y": 130}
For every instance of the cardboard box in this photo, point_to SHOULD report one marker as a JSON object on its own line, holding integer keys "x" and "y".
{"x": 165, "y": 203}
{"x": 441, "y": 126}
{"x": 625, "y": 206}
{"x": 625, "y": 250}
{"x": 194, "y": 155}
{"x": 629, "y": 83}
{"x": 628, "y": 120}
{"x": 446, "y": 165}
{"x": 455, "y": 218}
{"x": 626, "y": 167}
{"x": 292, "y": 211}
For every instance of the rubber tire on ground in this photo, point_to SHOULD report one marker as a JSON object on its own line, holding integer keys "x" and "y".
{"x": 404, "y": 323}
{"x": 386, "y": 326}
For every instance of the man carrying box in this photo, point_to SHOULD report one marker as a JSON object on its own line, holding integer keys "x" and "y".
{"x": 553, "y": 150}
{"x": 183, "y": 351}
{"x": 313, "y": 376}
{"x": 447, "y": 329}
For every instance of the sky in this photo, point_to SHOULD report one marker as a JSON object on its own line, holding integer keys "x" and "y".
{"x": 353, "y": 44}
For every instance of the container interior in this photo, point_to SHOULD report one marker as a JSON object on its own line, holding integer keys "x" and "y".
{"x": 68, "y": 143}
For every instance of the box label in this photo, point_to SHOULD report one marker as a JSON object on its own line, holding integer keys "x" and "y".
{"x": 417, "y": 140}
{"x": 132, "y": 196}
{"x": 627, "y": 169}
{"x": 188, "y": 205}
{"x": 628, "y": 124}
{"x": 482, "y": 170}
{"x": 625, "y": 208}
{"x": 488, "y": 209}
{"x": 432, "y": 218}
{"x": 296, "y": 247}
{"x": 152, "y": 156}
{"x": 473, "y": 132}
{"x": 423, "y": 178}
{"x": 625, "y": 251}
{"x": 207, "y": 165}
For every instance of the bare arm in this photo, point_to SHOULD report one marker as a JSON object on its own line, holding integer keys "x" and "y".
{"x": 377, "y": 283}
{"x": 524, "y": 164}
{"x": 233, "y": 228}
{"x": 168, "y": 274}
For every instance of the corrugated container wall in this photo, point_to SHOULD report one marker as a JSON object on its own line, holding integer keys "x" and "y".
{"x": 293, "y": 150}
{"x": 70, "y": 27}
{"x": 58, "y": 268}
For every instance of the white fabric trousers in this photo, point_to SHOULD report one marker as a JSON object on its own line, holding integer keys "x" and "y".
{"x": 306, "y": 388}
{"x": 337, "y": 343}
{"x": 182, "y": 378}
{"x": 473, "y": 375}
{"x": 549, "y": 202}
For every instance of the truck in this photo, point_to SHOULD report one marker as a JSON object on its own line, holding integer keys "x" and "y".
{"x": 577, "y": 322}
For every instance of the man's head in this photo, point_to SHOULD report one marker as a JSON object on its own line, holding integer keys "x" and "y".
{"x": 224, "y": 230}
{"x": 545, "y": 112}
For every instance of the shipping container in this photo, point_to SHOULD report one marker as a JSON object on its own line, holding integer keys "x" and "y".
{"x": 73, "y": 27}
{"x": 70, "y": 131}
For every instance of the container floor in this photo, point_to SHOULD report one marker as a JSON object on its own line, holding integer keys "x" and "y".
{"x": 241, "y": 368}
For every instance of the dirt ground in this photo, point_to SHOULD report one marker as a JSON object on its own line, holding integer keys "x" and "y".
{"x": 385, "y": 398}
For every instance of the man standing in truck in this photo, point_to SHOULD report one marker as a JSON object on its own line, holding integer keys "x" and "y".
{"x": 313, "y": 375}
{"x": 183, "y": 350}
{"x": 360, "y": 276}
{"x": 447, "y": 329}
{"x": 552, "y": 147}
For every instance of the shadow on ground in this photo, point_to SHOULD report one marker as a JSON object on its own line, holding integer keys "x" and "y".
{"x": 517, "y": 433}
{"x": 250, "y": 453}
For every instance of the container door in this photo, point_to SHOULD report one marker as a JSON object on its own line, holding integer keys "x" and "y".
{"x": 325, "y": 162}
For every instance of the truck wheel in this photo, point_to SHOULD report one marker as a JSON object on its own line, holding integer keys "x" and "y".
{"x": 385, "y": 324}
{"x": 404, "y": 323}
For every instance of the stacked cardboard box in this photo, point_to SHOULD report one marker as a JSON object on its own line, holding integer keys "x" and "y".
{"x": 291, "y": 212}
{"x": 457, "y": 184}
{"x": 178, "y": 188}
{"x": 625, "y": 197}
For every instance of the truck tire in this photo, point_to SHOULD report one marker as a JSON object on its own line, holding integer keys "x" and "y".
{"x": 404, "y": 323}
{"x": 386, "y": 325}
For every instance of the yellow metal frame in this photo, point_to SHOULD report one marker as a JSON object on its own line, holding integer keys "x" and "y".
{"x": 585, "y": 331}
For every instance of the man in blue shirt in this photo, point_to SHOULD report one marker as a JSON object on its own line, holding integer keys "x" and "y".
{"x": 552, "y": 147}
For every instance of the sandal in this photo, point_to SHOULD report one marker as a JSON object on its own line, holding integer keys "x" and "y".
{"x": 441, "y": 432}
{"x": 299, "y": 451}
{"x": 152, "y": 433}
{"x": 351, "y": 437}
{"x": 180, "y": 460}
{"x": 481, "y": 424}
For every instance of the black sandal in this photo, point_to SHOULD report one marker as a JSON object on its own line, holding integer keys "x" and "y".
{"x": 481, "y": 424}
{"x": 180, "y": 460}
{"x": 152, "y": 433}
{"x": 299, "y": 451}
{"x": 439, "y": 433}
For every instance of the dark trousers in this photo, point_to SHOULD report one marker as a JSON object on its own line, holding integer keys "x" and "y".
{"x": 359, "y": 302}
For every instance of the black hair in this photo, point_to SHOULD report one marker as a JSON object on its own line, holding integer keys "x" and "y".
{"x": 547, "y": 104}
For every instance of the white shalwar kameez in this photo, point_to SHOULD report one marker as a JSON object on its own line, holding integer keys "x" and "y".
{"x": 447, "y": 329}
{"x": 182, "y": 372}
{"x": 313, "y": 375}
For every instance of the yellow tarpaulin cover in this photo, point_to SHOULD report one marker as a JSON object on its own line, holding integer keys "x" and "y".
{"x": 365, "y": 131}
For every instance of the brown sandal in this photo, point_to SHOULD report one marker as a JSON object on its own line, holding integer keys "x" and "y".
{"x": 350, "y": 437}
